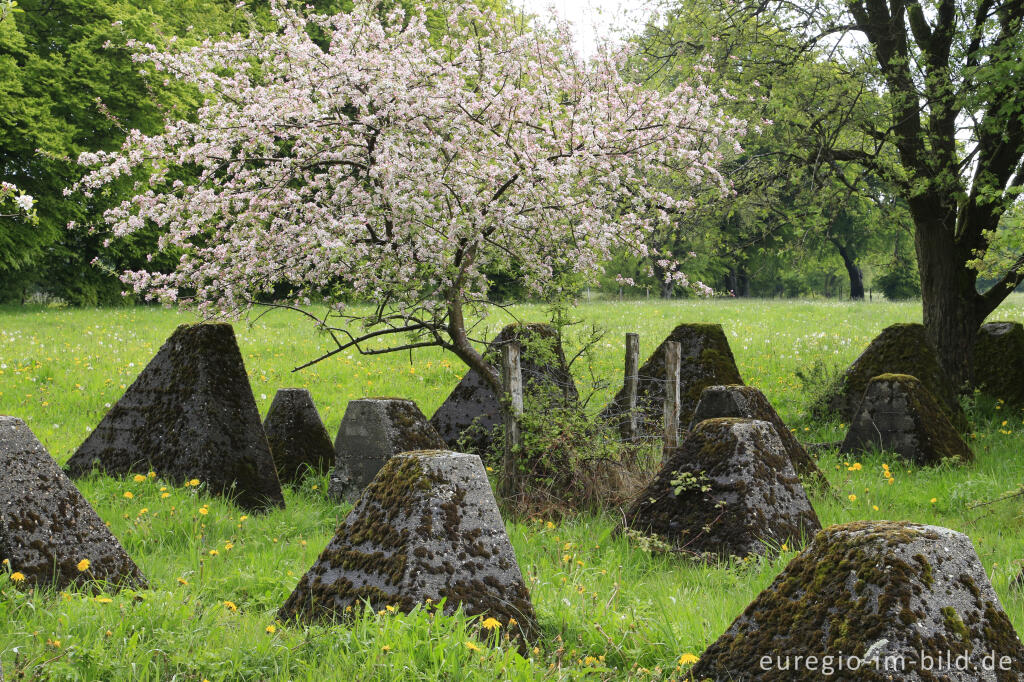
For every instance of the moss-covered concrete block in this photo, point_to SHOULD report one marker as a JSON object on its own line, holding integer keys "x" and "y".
{"x": 999, "y": 361}
{"x": 190, "y": 414}
{"x": 707, "y": 360}
{"x": 472, "y": 410}
{"x": 427, "y": 528}
{"x": 298, "y": 440}
{"x": 896, "y": 598}
{"x": 49, "y": 533}
{"x": 898, "y": 349}
{"x": 729, "y": 489}
{"x": 900, "y": 415}
{"x": 372, "y": 431}
{"x": 747, "y": 402}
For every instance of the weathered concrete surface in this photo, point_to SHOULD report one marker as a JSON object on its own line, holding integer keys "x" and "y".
{"x": 999, "y": 361}
{"x": 747, "y": 402}
{"x": 189, "y": 415}
{"x": 707, "y": 360}
{"x": 883, "y": 592}
{"x": 898, "y": 349}
{"x": 372, "y": 431}
{"x": 298, "y": 440}
{"x": 426, "y": 528}
{"x": 728, "y": 489}
{"x": 46, "y": 527}
{"x": 900, "y": 415}
{"x": 472, "y": 410}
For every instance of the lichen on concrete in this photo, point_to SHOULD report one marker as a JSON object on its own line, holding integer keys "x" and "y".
{"x": 882, "y": 592}
{"x": 190, "y": 414}
{"x": 427, "y": 528}
{"x": 898, "y": 349}
{"x": 747, "y": 402}
{"x": 729, "y": 489}
{"x": 46, "y": 527}
{"x": 371, "y": 432}
{"x": 707, "y": 360}
{"x": 999, "y": 361}
{"x": 298, "y": 440}
{"x": 898, "y": 414}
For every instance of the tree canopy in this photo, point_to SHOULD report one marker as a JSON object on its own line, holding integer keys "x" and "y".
{"x": 397, "y": 166}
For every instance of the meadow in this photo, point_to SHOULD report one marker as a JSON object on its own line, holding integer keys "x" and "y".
{"x": 608, "y": 610}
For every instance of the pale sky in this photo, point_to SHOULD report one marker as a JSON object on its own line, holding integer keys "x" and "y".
{"x": 592, "y": 19}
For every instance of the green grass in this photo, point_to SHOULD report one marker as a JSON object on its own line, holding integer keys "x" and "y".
{"x": 607, "y": 609}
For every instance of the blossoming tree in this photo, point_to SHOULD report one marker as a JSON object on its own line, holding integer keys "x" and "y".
{"x": 399, "y": 164}
{"x": 14, "y": 203}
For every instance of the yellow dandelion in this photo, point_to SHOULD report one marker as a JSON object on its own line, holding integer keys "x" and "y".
{"x": 138, "y": 478}
{"x": 243, "y": 517}
{"x": 386, "y": 648}
{"x": 490, "y": 624}
{"x": 214, "y": 552}
{"x": 934, "y": 500}
{"x": 128, "y": 495}
{"x": 785, "y": 546}
{"x": 472, "y": 646}
{"x": 875, "y": 507}
{"x": 390, "y": 608}
{"x": 853, "y": 498}
{"x": 103, "y": 600}
{"x": 164, "y": 496}
{"x": 151, "y": 474}
{"x": 204, "y": 511}
{"x": 230, "y": 606}
{"x": 83, "y": 565}
{"x": 271, "y": 629}
{"x": 687, "y": 659}
{"x": 17, "y": 577}
{"x": 182, "y": 581}
{"x": 229, "y": 545}
{"x": 194, "y": 482}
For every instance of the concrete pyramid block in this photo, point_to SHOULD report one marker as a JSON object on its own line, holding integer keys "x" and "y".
{"x": 747, "y": 402}
{"x": 47, "y": 528}
{"x": 297, "y": 438}
{"x": 728, "y": 489}
{"x": 190, "y": 414}
{"x": 898, "y": 349}
{"x": 473, "y": 404}
{"x": 707, "y": 360}
{"x": 372, "y": 432}
{"x": 999, "y": 361}
{"x": 899, "y": 414}
{"x": 900, "y": 601}
{"x": 427, "y": 527}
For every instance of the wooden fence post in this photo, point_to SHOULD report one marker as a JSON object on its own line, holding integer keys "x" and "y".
{"x": 512, "y": 410}
{"x": 632, "y": 381}
{"x": 673, "y": 359}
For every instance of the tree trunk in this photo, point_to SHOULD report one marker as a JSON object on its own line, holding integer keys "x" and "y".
{"x": 853, "y": 270}
{"x": 953, "y": 310}
{"x": 463, "y": 348}
{"x": 743, "y": 278}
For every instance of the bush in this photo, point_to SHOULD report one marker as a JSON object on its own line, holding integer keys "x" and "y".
{"x": 901, "y": 282}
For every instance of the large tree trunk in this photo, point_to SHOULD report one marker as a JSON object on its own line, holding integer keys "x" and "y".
{"x": 853, "y": 270}
{"x": 953, "y": 310}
